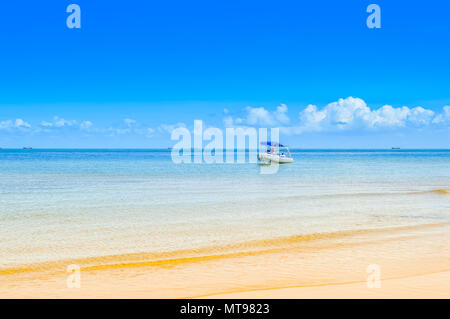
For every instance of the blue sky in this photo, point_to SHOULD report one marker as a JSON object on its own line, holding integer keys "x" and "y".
{"x": 137, "y": 69}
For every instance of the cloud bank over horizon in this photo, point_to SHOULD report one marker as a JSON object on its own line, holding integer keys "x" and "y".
{"x": 345, "y": 115}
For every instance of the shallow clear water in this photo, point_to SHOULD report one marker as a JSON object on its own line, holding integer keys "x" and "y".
{"x": 63, "y": 204}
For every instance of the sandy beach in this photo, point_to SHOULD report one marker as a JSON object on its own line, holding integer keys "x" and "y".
{"x": 434, "y": 286}
{"x": 413, "y": 262}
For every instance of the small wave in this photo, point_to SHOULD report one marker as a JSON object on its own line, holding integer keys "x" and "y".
{"x": 439, "y": 191}
{"x": 209, "y": 253}
{"x": 379, "y": 194}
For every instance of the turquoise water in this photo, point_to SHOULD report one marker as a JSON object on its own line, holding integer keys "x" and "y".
{"x": 62, "y": 204}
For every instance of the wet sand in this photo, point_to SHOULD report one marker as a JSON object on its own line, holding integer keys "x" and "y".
{"x": 413, "y": 262}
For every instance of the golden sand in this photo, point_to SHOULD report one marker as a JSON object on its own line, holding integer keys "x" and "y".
{"x": 425, "y": 286}
{"x": 414, "y": 262}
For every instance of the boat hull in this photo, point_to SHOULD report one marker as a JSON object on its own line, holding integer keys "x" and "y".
{"x": 275, "y": 158}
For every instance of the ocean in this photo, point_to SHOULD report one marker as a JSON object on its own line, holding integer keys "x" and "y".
{"x": 69, "y": 204}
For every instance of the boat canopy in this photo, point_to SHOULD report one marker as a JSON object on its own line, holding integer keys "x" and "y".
{"x": 272, "y": 144}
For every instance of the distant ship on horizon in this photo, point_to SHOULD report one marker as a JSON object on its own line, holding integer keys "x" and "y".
{"x": 27, "y": 148}
{"x": 395, "y": 148}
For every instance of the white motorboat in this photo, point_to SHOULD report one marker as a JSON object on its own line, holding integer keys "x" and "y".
{"x": 275, "y": 152}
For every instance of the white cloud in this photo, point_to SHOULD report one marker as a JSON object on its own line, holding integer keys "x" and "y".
{"x": 340, "y": 114}
{"x": 121, "y": 131}
{"x": 228, "y": 121}
{"x": 150, "y": 132}
{"x": 58, "y": 122}
{"x": 345, "y": 114}
{"x": 259, "y": 116}
{"x": 354, "y": 113}
{"x": 61, "y": 123}
{"x": 129, "y": 122}
{"x": 168, "y": 128}
{"x": 129, "y": 126}
{"x": 4, "y": 125}
{"x": 16, "y": 124}
{"x": 444, "y": 117}
{"x": 21, "y": 123}
{"x": 420, "y": 116}
{"x": 281, "y": 114}
{"x": 85, "y": 125}
{"x": 387, "y": 116}
{"x": 46, "y": 124}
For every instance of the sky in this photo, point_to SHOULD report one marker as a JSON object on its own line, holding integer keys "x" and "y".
{"x": 136, "y": 70}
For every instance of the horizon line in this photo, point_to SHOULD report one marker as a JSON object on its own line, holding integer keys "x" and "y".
{"x": 193, "y": 149}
